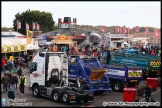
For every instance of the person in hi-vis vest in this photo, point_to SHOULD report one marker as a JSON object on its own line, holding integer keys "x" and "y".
{"x": 22, "y": 83}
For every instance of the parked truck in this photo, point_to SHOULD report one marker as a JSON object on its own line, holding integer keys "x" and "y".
{"x": 49, "y": 77}
{"x": 150, "y": 65}
{"x": 120, "y": 76}
{"x": 92, "y": 77}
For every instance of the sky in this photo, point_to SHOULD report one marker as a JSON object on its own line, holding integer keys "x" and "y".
{"x": 130, "y": 14}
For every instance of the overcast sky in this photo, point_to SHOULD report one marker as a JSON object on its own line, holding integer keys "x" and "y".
{"x": 129, "y": 14}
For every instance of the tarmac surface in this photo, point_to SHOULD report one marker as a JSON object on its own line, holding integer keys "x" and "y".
{"x": 98, "y": 100}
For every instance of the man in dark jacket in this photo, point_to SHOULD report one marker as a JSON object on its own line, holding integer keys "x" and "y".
{"x": 13, "y": 81}
{"x": 147, "y": 91}
{"x": 9, "y": 75}
{"x": 19, "y": 72}
{"x": 5, "y": 80}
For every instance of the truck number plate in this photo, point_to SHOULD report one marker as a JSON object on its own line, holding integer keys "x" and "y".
{"x": 133, "y": 80}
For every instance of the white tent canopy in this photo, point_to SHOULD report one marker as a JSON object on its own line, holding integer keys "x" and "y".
{"x": 13, "y": 41}
{"x": 6, "y": 42}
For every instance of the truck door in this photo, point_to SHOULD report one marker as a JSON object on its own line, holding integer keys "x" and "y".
{"x": 37, "y": 74}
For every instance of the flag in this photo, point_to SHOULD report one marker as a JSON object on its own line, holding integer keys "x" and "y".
{"x": 117, "y": 29}
{"x": 147, "y": 30}
{"x": 102, "y": 28}
{"x": 156, "y": 33}
{"x": 125, "y": 30}
{"x": 128, "y": 30}
{"x": 38, "y": 26}
{"x": 18, "y": 25}
{"x": 29, "y": 36}
{"x": 120, "y": 29}
{"x": 27, "y": 26}
{"x": 34, "y": 26}
{"x": 137, "y": 29}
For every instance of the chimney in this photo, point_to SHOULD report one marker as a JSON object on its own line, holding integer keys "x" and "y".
{"x": 75, "y": 20}
{"x": 59, "y": 21}
{"x": 74, "y": 33}
{"x": 69, "y": 19}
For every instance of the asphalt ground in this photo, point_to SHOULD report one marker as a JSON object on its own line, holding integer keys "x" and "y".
{"x": 98, "y": 100}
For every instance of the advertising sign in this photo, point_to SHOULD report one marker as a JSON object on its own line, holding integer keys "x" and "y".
{"x": 29, "y": 36}
{"x": 16, "y": 48}
{"x": 9, "y": 48}
{"x": 42, "y": 39}
{"x": 23, "y": 47}
{"x": 134, "y": 73}
{"x": 155, "y": 63}
{"x": 3, "y": 49}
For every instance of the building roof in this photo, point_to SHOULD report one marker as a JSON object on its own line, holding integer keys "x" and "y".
{"x": 67, "y": 32}
{"x": 11, "y": 33}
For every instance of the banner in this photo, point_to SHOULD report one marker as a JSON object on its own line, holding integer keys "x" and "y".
{"x": 29, "y": 36}
{"x": 9, "y": 48}
{"x": 125, "y": 30}
{"x": 3, "y": 49}
{"x": 23, "y": 47}
{"x": 16, "y": 48}
{"x": 137, "y": 29}
{"x": 147, "y": 30}
{"x": 42, "y": 39}
{"x": 103, "y": 28}
{"x": 156, "y": 33}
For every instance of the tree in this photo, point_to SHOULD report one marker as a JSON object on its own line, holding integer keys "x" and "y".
{"x": 44, "y": 19}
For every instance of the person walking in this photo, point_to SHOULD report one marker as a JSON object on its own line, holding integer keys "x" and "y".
{"x": 9, "y": 75}
{"x": 147, "y": 91}
{"x": 3, "y": 64}
{"x": 22, "y": 83}
{"x": 11, "y": 95}
{"x": 13, "y": 81}
{"x": 14, "y": 71}
{"x": 16, "y": 81}
{"x": 19, "y": 72}
{"x": 5, "y": 81}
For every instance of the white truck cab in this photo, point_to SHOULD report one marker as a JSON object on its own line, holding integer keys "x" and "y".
{"x": 49, "y": 77}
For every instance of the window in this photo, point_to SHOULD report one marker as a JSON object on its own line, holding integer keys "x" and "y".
{"x": 33, "y": 67}
{"x": 64, "y": 25}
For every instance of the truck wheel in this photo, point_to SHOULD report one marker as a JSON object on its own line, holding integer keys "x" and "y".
{"x": 65, "y": 98}
{"x": 118, "y": 86}
{"x": 35, "y": 91}
{"x": 56, "y": 96}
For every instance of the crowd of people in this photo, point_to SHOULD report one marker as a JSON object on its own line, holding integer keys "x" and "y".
{"x": 154, "y": 51}
{"x": 14, "y": 77}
